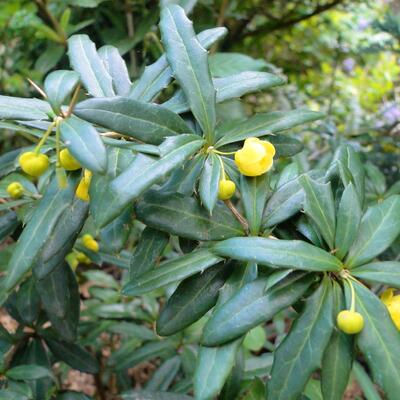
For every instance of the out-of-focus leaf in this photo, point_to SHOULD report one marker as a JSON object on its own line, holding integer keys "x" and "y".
{"x": 164, "y": 375}
{"x": 28, "y": 372}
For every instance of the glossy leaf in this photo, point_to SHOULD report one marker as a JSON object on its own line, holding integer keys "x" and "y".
{"x": 320, "y": 207}
{"x": 85, "y": 60}
{"x": 28, "y": 301}
{"x": 171, "y": 271}
{"x": 191, "y": 300}
{"x": 251, "y": 306}
{"x": 149, "y": 123}
{"x": 300, "y": 353}
{"x": 278, "y": 253}
{"x": 385, "y": 272}
{"x": 84, "y": 143}
{"x": 18, "y": 108}
{"x": 133, "y": 182}
{"x": 158, "y": 75}
{"x": 263, "y": 124}
{"x": 379, "y": 341}
{"x": 151, "y": 244}
{"x": 209, "y": 180}
{"x": 184, "y": 216}
{"x": 116, "y": 67}
{"x": 28, "y": 372}
{"x": 348, "y": 220}
{"x": 58, "y": 85}
{"x": 378, "y": 229}
{"x": 188, "y": 60}
{"x": 37, "y": 231}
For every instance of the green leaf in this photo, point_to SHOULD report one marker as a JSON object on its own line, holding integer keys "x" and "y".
{"x": 225, "y": 64}
{"x": 385, "y": 272}
{"x": 320, "y": 207}
{"x": 133, "y": 182}
{"x": 377, "y": 180}
{"x": 150, "y": 247}
{"x": 379, "y": 341}
{"x": 71, "y": 395}
{"x": 278, "y": 253}
{"x": 254, "y": 391}
{"x": 158, "y": 75}
{"x": 209, "y": 181}
{"x": 263, "y": 124}
{"x": 188, "y": 60}
{"x": 85, "y": 60}
{"x": 116, "y": 67}
{"x": 229, "y": 88}
{"x": 338, "y": 356}
{"x": 28, "y": 301}
{"x": 23, "y": 109}
{"x": 379, "y": 227}
{"x": 28, "y": 372}
{"x": 61, "y": 239}
{"x": 300, "y": 353}
{"x": 348, "y": 220}
{"x": 191, "y": 300}
{"x": 58, "y": 85}
{"x": 84, "y": 143}
{"x": 147, "y": 395}
{"x": 183, "y": 216}
{"x": 365, "y": 382}
{"x": 8, "y": 223}
{"x": 74, "y": 355}
{"x": 171, "y": 271}
{"x": 251, "y": 306}
{"x": 286, "y": 200}
{"x": 149, "y": 123}
{"x": 255, "y": 339}
{"x": 285, "y": 146}
{"x": 38, "y": 230}
{"x": 255, "y": 191}
{"x": 164, "y": 375}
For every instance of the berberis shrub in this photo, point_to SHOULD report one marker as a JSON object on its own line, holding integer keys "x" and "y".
{"x": 207, "y": 231}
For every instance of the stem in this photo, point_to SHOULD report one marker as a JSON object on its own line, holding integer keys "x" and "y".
{"x": 44, "y": 138}
{"x": 131, "y": 33}
{"x": 224, "y": 153}
{"x": 222, "y": 167}
{"x": 58, "y": 161}
{"x": 73, "y": 100}
{"x": 220, "y": 21}
{"x": 238, "y": 216}
{"x": 353, "y": 295}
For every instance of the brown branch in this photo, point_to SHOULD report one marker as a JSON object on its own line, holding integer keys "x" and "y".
{"x": 238, "y": 216}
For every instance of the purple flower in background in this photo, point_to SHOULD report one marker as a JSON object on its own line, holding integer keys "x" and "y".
{"x": 363, "y": 24}
{"x": 391, "y": 113}
{"x": 348, "y": 64}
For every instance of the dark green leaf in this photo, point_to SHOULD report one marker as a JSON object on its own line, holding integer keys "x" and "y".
{"x": 251, "y": 306}
{"x": 348, "y": 220}
{"x": 149, "y": 123}
{"x": 8, "y": 223}
{"x": 365, "y": 382}
{"x": 320, "y": 207}
{"x": 378, "y": 229}
{"x": 379, "y": 341}
{"x": 147, "y": 395}
{"x": 74, "y": 355}
{"x": 183, "y": 216}
{"x": 28, "y": 301}
{"x": 188, "y": 60}
{"x": 84, "y": 143}
{"x": 301, "y": 351}
{"x": 28, "y": 372}
{"x": 263, "y": 124}
{"x": 18, "y": 108}
{"x": 85, "y": 60}
{"x": 191, "y": 300}
{"x": 278, "y": 253}
{"x": 164, "y": 375}
{"x": 209, "y": 180}
{"x": 116, "y": 67}
{"x": 171, "y": 271}
{"x": 385, "y": 272}
{"x": 58, "y": 86}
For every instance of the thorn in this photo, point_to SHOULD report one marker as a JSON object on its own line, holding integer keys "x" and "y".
{"x": 38, "y": 88}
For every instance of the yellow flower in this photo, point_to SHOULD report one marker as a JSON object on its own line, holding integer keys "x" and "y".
{"x": 82, "y": 191}
{"x": 350, "y": 322}
{"x": 68, "y": 161}
{"x": 226, "y": 189}
{"x": 255, "y": 158}
{"x": 90, "y": 243}
{"x": 393, "y": 305}
{"x": 83, "y": 258}
{"x": 15, "y": 190}
{"x": 34, "y": 164}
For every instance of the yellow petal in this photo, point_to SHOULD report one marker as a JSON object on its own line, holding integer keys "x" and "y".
{"x": 269, "y": 148}
{"x": 387, "y": 296}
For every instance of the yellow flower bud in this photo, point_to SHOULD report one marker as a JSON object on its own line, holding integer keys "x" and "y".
{"x": 350, "y": 322}
{"x": 90, "y": 243}
{"x": 68, "y": 161}
{"x": 34, "y": 164}
{"x": 393, "y": 305}
{"x": 226, "y": 189}
{"x": 72, "y": 260}
{"x": 82, "y": 191}
{"x": 255, "y": 158}
{"x": 15, "y": 190}
{"x": 83, "y": 258}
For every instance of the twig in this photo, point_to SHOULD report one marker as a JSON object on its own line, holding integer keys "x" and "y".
{"x": 238, "y": 216}
{"x": 73, "y": 101}
{"x": 131, "y": 33}
{"x": 220, "y": 21}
